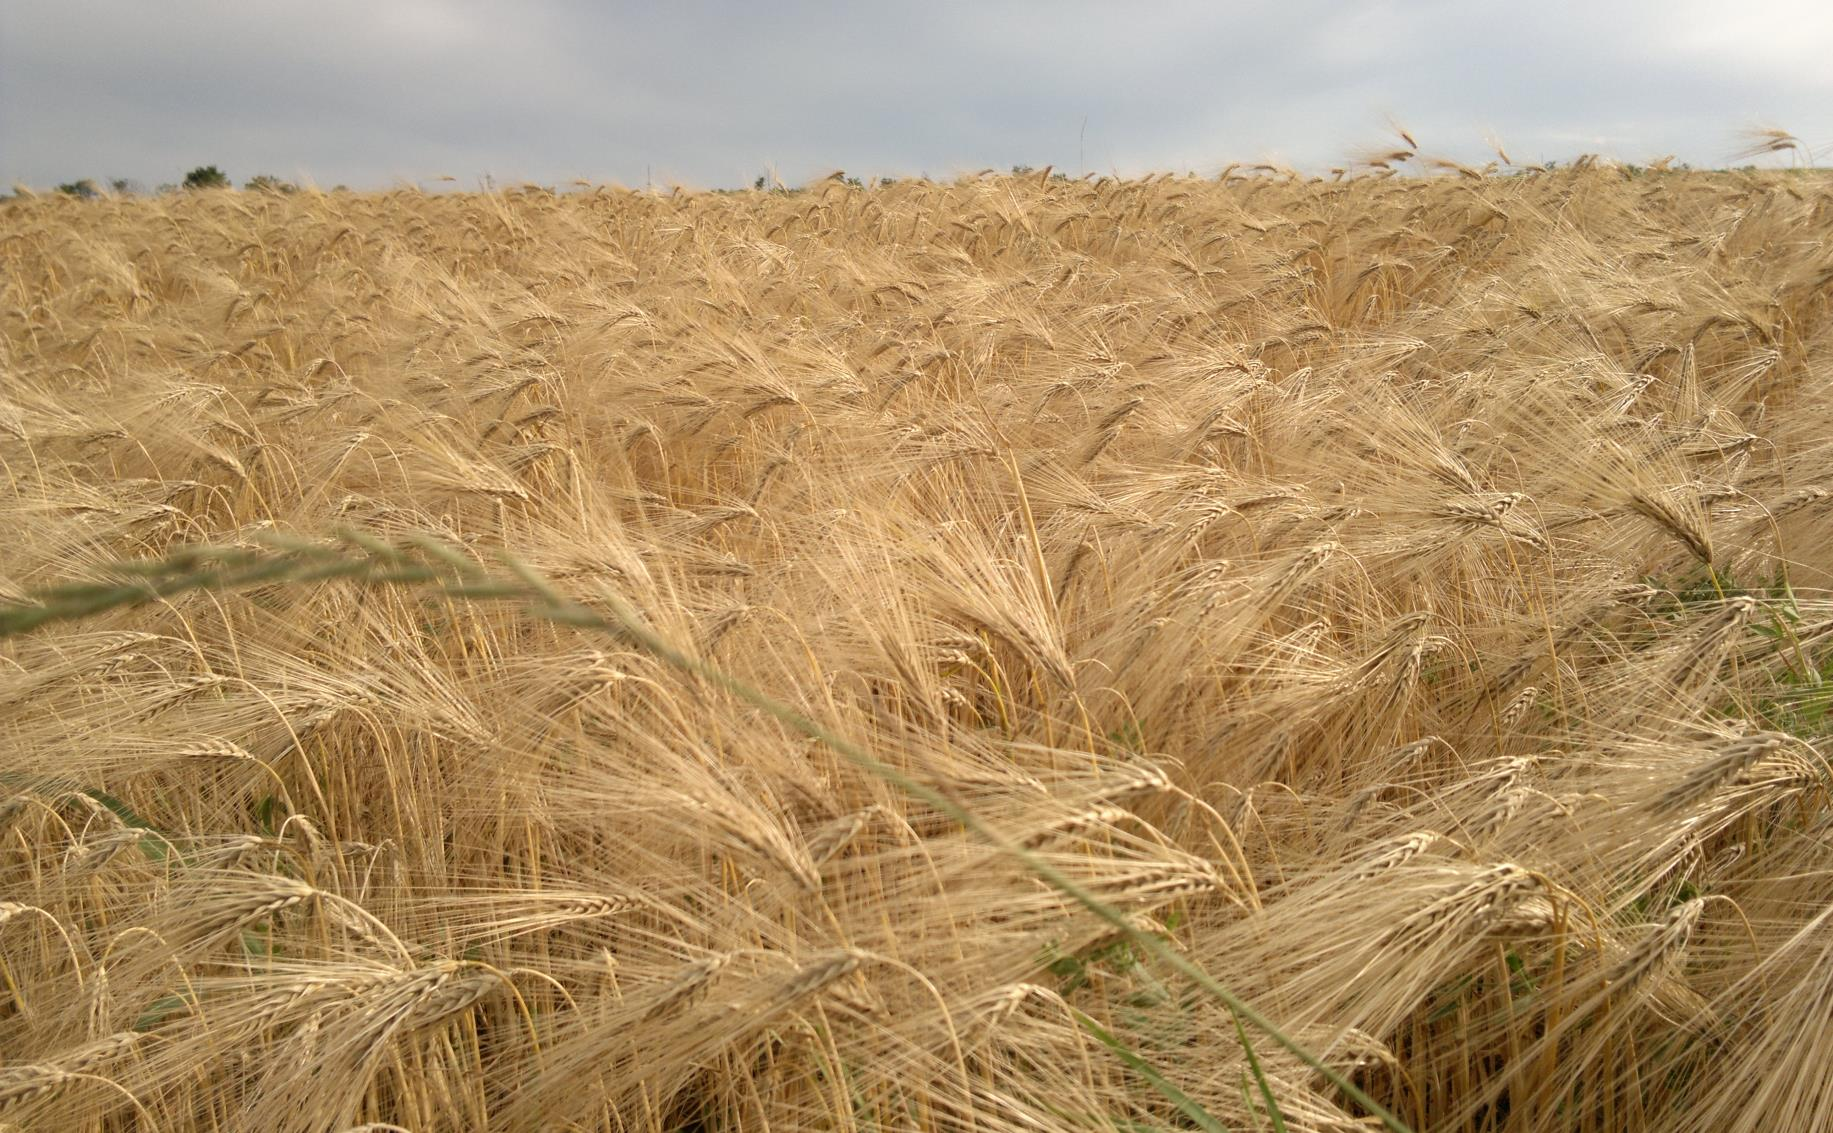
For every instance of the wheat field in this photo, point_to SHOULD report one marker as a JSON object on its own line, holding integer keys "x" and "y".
{"x": 1404, "y": 598}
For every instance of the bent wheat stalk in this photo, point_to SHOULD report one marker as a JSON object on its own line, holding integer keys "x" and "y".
{"x": 375, "y": 561}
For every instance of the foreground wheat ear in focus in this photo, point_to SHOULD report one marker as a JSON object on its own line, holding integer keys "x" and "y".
{"x": 1406, "y": 596}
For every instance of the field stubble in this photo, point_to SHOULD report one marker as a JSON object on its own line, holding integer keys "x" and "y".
{"x": 1407, "y": 597}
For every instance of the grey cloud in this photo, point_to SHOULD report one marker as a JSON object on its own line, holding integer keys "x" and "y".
{"x": 366, "y": 93}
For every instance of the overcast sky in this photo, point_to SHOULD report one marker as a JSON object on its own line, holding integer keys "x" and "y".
{"x": 374, "y": 92}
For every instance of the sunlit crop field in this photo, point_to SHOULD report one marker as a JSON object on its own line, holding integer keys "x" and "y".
{"x": 662, "y": 656}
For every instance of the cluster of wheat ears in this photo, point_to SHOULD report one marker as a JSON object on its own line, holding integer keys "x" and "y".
{"x": 846, "y": 659}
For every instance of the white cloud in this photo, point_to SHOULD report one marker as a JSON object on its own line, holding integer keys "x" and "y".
{"x": 1788, "y": 42}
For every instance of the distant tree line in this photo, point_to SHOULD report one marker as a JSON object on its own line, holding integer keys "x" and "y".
{"x": 203, "y": 177}
{"x": 211, "y": 177}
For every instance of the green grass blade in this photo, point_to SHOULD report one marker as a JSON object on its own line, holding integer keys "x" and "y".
{"x": 1186, "y": 1104}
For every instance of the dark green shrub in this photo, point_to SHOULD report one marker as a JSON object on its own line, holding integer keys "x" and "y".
{"x": 268, "y": 183}
{"x": 206, "y": 177}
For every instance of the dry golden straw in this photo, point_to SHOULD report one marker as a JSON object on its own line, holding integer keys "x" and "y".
{"x": 1403, "y": 598}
